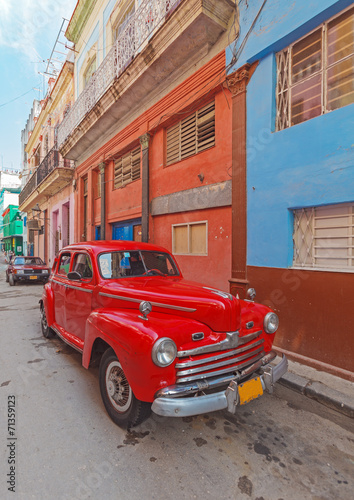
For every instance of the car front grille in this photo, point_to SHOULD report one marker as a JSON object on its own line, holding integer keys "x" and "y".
{"x": 228, "y": 361}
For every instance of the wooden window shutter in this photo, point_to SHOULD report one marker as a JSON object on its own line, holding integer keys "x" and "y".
{"x": 127, "y": 168}
{"x": 192, "y": 135}
{"x": 173, "y": 143}
{"x": 206, "y": 127}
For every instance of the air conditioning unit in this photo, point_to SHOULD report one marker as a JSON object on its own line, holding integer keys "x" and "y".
{"x": 34, "y": 224}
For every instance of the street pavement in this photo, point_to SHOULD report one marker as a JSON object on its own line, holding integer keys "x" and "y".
{"x": 64, "y": 446}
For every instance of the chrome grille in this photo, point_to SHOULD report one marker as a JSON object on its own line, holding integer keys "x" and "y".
{"x": 226, "y": 362}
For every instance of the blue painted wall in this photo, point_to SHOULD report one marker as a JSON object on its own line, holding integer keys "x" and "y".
{"x": 309, "y": 164}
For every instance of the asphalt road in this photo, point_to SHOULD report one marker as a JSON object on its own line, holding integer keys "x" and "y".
{"x": 64, "y": 445}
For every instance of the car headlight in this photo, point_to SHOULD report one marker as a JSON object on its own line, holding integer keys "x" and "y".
{"x": 45, "y": 271}
{"x": 271, "y": 322}
{"x": 19, "y": 271}
{"x": 164, "y": 352}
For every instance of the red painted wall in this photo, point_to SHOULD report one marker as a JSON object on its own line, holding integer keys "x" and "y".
{"x": 214, "y": 269}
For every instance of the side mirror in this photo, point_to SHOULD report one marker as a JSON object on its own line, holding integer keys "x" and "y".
{"x": 74, "y": 276}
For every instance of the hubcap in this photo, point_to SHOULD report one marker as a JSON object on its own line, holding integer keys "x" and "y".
{"x": 118, "y": 388}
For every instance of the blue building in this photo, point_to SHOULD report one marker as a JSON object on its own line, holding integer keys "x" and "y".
{"x": 291, "y": 73}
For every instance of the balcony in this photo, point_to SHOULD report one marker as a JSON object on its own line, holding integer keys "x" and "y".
{"x": 51, "y": 176}
{"x": 160, "y": 39}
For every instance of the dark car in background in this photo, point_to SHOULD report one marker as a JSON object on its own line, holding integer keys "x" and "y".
{"x": 27, "y": 269}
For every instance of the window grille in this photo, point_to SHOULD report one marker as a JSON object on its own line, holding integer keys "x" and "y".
{"x": 127, "y": 168}
{"x": 324, "y": 237}
{"x": 315, "y": 75}
{"x": 192, "y": 135}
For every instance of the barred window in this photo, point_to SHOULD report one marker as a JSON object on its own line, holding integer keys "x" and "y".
{"x": 192, "y": 135}
{"x": 127, "y": 168}
{"x": 190, "y": 239}
{"x": 315, "y": 75}
{"x": 324, "y": 237}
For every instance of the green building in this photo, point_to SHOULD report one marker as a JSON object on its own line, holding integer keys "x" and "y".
{"x": 13, "y": 230}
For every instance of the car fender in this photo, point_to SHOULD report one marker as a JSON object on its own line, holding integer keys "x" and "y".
{"x": 132, "y": 339}
{"x": 48, "y": 303}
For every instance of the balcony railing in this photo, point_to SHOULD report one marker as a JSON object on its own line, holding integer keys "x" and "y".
{"x": 149, "y": 15}
{"x": 51, "y": 161}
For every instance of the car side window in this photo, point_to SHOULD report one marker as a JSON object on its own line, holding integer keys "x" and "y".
{"x": 64, "y": 264}
{"x": 82, "y": 264}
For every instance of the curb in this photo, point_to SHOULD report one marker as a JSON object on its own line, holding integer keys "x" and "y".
{"x": 320, "y": 393}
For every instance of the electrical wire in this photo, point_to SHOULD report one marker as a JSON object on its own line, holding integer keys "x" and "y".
{"x": 16, "y": 98}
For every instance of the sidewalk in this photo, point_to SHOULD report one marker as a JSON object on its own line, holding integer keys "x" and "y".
{"x": 327, "y": 389}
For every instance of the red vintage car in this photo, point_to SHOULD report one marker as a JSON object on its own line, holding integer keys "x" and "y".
{"x": 167, "y": 344}
{"x": 27, "y": 269}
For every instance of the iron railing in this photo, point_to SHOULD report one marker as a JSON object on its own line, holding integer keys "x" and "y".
{"x": 137, "y": 30}
{"x": 51, "y": 161}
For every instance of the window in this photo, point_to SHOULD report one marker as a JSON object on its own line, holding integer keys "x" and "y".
{"x": 192, "y": 135}
{"x": 84, "y": 234}
{"x": 136, "y": 263}
{"x": 190, "y": 239}
{"x": 82, "y": 264}
{"x": 98, "y": 184}
{"x": 91, "y": 68}
{"x": 124, "y": 16}
{"x": 315, "y": 75}
{"x": 324, "y": 237}
{"x": 127, "y": 168}
{"x": 64, "y": 264}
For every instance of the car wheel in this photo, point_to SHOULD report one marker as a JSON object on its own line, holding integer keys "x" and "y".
{"x": 122, "y": 406}
{"x": 12, "y": 280}
{"x": 46, "y": 330}
{"x": 7, "y": 278}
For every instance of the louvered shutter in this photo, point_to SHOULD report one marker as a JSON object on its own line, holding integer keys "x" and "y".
{"x": 127, "y": 169}
{"x": 192, "y": 135}
{"x": 206, "y": 127}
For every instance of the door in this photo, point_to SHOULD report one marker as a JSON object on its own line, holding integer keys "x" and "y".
{"x": 127, "y": 231}
{"x": 59, "y": 283}
{"x": 78, "y": 299}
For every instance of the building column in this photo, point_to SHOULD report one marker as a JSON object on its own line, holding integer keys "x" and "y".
{"x": 144, "y": 141}
{"x": 102, "y": 168}
{"x": 237, "y": 84}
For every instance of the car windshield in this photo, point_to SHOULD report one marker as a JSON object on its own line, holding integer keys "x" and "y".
{"x": 28, "y": 261}
{"x": 136, "y": 263}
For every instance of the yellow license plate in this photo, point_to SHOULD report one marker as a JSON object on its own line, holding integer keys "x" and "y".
{"x": 249, "y": 390}
{"x": 33, "y": 277}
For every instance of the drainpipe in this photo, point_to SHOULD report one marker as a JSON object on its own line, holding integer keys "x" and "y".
{"x": 102, "y": 167}
{"x": 144, "y": 141}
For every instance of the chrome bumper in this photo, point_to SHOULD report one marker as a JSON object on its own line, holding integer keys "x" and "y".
{"x": 171, "y": 401}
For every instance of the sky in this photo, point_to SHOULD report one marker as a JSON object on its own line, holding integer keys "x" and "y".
{"x": 28, "y": 31}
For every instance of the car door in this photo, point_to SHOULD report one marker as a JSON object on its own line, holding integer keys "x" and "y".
{"x": 59, "y": 283}
{"x": 78, "y": 298}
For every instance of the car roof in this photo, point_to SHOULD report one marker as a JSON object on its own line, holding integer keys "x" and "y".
{"x": 113, "y": 245}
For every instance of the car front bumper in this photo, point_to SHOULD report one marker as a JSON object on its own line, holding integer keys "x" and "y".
{"x": 185, "y": 400}
{"x": 31, "y": 277}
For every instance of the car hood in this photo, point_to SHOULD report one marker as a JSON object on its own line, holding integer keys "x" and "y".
{"x": 217, "y": 309}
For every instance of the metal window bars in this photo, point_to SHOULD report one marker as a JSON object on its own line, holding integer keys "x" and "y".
{"x": 324, "y": 237}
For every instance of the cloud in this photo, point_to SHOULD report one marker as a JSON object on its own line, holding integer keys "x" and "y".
{"x": 28, "y": 26}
